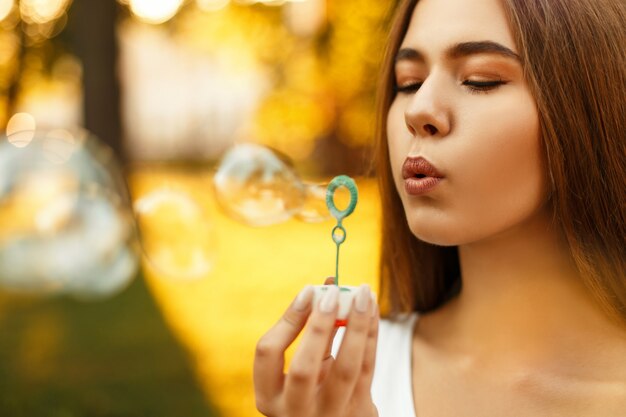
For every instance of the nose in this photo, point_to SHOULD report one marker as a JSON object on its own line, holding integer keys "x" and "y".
{"x": 427, "y": 114}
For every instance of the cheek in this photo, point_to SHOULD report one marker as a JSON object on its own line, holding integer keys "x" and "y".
{"x": 397, "y": 139}
{"x": 499, "y": 180}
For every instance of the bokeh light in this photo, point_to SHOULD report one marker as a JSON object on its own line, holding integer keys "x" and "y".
{"x": 42, "y": 11}
{"x": 65, "y": 219}
{"x": 155, "y": 11}
{"x": 176, "y": 234}
{"x": 21, "y": 129}
{"x": 255, "y": 186}
{"x": 305, "y": 18}
{"x": 267, "y": 2}
{"x": 212, "y": 5}
{"x": 5, "y": 8}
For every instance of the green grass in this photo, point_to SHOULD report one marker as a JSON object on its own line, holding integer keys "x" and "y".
{"x": 65, "y": 358}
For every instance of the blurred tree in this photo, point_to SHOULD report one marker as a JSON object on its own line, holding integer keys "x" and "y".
{"x": 319, "y": 84}
{"x": 14, "y": 72}
{"x": 36, "y": 37}
{"x": 29, "y": 47}
{"x": 92, "y": 35}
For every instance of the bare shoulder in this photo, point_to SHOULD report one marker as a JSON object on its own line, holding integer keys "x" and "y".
{"x": 598, "y": 386}
{"x": 610, "y": 400}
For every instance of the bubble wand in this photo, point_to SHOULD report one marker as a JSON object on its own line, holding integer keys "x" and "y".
{"x": 339, "y": 232}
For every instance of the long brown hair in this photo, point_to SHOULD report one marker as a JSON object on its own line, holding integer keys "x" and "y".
{"x": 575, "y": 65}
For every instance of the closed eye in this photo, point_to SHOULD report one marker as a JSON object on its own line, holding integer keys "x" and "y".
{"x": 482, "y": 86}
{"x": 408, "y": 88}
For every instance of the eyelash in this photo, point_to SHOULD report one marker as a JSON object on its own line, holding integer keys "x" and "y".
{"x": 408, "y": 88}
{"x": 482, "y": 87}
{"x": 474, "y": 87}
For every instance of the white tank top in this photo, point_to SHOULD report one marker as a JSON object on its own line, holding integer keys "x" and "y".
{"x": 392, "y": 385}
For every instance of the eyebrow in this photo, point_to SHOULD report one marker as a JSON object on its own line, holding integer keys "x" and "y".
{"x": 460, "y": 50}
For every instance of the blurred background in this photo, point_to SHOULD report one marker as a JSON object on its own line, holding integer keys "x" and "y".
{"x": 163, "y": 166}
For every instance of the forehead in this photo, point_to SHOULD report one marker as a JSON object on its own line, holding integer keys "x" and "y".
{"x": 435, "y": 24}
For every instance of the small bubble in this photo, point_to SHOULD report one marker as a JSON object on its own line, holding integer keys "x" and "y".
{"x": 257, "y": 187}
{"x": 176, "y": 234}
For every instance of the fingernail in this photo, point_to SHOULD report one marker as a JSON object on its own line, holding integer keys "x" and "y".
{"x": 330, "y": 299}
{"x": 303, "y": 299}
{"x": 375, "y": 309}
{"x": 362, "y": 300}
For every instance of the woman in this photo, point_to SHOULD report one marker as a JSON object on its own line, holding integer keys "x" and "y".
{"x": 503, "y": 168}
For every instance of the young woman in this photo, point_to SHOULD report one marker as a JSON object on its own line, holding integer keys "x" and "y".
{"x": 503, "y": 270}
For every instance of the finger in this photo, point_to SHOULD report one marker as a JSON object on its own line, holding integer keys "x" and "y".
{"x": 364, "y": 383}
{"x": 327, "y": 364}
{"x": 328, "y": 358}
{"x": 304, "y": 370}
{"x": 269, "y": 359}
{"x": 329, "y": 346}
{"x": 327, "y": 353}
{"x": 342, "y": 379}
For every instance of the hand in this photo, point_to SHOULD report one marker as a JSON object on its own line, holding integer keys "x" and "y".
{"x": 316, "y": 384}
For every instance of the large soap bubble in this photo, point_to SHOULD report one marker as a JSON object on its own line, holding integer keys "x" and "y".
{"x": 314, "y": 209}
{"x": 258, "y": 187}
{"x": 177, "y": 238}
{"x": 66, "y": 224}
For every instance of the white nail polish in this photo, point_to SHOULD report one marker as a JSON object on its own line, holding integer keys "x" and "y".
{"x": 330, "y": 299}
{"x": 374, "y": 304}
{"x": 303, "y": 299}
{"x": 362, "y": 300}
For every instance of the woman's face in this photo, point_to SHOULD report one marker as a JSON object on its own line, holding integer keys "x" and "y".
{"x": 462, "y": 104}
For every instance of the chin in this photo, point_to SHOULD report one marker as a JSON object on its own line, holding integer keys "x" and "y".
{"x": 435, "y": 234}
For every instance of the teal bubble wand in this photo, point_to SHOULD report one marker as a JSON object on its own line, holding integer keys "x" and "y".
{"x": 339, "y": 232}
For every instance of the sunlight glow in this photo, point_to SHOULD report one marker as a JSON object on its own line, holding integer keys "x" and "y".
{"x": 155, "y": 11}
{"x": 257, "y": 273}
{"x": 212, "y": 5}
{"x": 42, "y": 11}
{"x": 270, "y": 2}
{"x": 305, "y": 18}
{"x": 5, "y": 8}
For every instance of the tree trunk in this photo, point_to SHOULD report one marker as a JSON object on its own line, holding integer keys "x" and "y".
{"x": 93, "y": 38}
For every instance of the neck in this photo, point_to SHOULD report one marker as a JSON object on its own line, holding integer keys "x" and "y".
{"x": 522, "y": 295}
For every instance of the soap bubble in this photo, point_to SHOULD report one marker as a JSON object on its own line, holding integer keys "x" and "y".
{"x": 256, "y": 186}
{"x": 314, "y": 209}
{"x": 177, "y": 237}
{"x": 66, "y": 225}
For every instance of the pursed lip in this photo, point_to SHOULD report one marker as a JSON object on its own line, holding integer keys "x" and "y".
{"x": 419, "y": 167}
{"x": 420, "y": 176}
